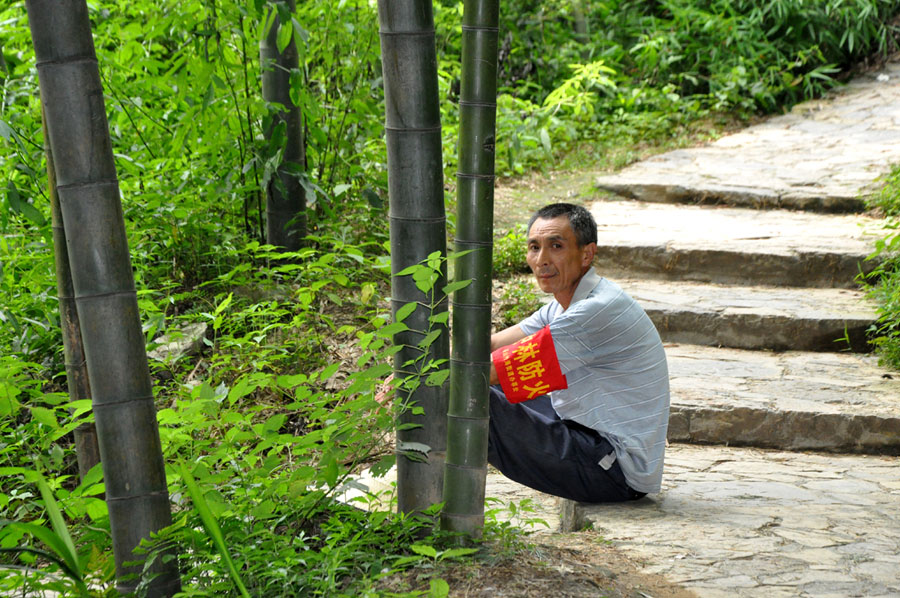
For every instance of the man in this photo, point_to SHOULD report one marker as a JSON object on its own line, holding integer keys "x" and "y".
{"x": 597, "y": 432}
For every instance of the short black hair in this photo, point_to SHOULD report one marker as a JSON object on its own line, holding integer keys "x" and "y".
{"x": 580, "y": 219}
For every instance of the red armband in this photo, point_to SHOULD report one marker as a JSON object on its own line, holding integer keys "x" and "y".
{"x": 529, "y": 368}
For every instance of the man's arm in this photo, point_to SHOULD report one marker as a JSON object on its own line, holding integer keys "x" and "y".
{"x": 506, "y": 337}
{"x": 501, "y": 339}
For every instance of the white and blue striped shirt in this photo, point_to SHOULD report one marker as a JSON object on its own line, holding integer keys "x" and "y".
{"x": 615, "y": 366}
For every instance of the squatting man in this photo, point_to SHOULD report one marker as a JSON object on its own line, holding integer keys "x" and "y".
{"x": 579, "y": 396}
{"x": 579, "y": 405}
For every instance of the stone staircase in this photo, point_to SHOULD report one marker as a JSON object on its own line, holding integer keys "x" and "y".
{"x": 766, "y": 343}
{"x": 782, "y": 477}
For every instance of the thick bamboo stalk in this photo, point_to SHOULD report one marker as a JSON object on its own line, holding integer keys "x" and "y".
{"x": 466, "y": 466}
{"x": 418, "y": 229}
{"x": 87, "y": 450}
{"x": 103, "y": 284}
{"x": 285, "y": 196}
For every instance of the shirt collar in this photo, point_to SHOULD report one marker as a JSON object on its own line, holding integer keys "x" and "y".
{"x": 585, "y": 286}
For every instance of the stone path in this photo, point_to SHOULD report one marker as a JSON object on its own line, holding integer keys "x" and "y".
{"x": 751, "y": 300}
{"x": 820, "y": 156}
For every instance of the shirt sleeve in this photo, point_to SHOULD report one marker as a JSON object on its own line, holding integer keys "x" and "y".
{"x": 538, "y": 319}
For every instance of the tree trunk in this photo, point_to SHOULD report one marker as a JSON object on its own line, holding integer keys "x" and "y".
{"x": 582, "y": 33}
{"x": 418, "y": 230}
{"x": 285, "y": 196}
{"x": 471, "y": 358}
{"x": 103, "y": 284}
{"x": 86, "y": 448}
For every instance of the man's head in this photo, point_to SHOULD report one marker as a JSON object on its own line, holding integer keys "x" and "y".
{"x": 562, "y": 242}
{"x": 580, "y": 219}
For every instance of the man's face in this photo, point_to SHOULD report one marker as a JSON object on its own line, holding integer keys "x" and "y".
{"x": 555, "y": 257}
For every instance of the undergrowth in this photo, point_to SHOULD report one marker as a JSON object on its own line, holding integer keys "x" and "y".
{"x": 882, "y": 284}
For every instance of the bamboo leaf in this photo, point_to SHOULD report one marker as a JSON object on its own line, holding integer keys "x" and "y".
{"x": 224, "y": 304}
{"x": 79, "y": 584}
{"x": 212, "y": 527}
{"x": 59, "y": 525}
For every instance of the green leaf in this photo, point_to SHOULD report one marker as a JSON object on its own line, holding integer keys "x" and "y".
{"x": 454, "y": 553}
{"x": 424, "y": 550}
{"x": 411, "y": 448}
{"x": 5, "y": 131}
{"x": 21, "y": 206}
{"x": 59, "y": 525}
{"x": 404, "y": 311}
{"x": 438, "y": 588}
{"x": 224, "y": 304}
{"x": 212, "y": 527}
{"x": 45, "y": 416}
{"x": 545, "y": 140}
{"x": 437, "y": 378}
{"x": 439, "y": 318}
{"x": 284, "y": 37}
{"x": 410, "y": 270}
{"x": 391, "y": 329}
{"x": 429, "y": 338}
{"x": 329, "y": 470}
{"x": 456, "y": 285}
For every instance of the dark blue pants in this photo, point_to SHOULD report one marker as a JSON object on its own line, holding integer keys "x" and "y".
{"x": 531, "y": 445}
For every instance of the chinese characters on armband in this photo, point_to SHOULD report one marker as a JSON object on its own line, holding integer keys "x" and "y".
{"x": 529, "y": 368}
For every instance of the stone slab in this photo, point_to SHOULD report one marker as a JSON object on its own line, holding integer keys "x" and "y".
{"x": 843, "y": 402}
{"x": 777, "y": 318}
{"x": 748, "y": 523}
{"x": 733, "y": 245}
{"x": 823, "y": 155}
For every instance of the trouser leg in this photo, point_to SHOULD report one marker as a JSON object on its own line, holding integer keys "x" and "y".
{"x": 531, "y": 445}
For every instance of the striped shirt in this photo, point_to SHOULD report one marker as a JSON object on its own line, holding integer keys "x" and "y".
{"x": 618, "y": 380}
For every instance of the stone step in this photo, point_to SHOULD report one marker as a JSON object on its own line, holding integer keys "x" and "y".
{"x": 747, "y": 523}
{"x": 776, "y": 318}
{"x": 733, "y": 245}
{"x": 824, "y": 155}
{"x": 839, "y": 402}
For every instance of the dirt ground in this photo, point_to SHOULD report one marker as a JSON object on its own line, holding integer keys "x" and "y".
{"x": 575, "y": 565}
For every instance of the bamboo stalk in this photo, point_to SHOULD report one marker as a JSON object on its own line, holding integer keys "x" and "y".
{"x": 466, "y": 466}
{"x": 285, "y": 197}
{"x": 87, "y": 450}
{"x": 418, "y": 229}
{"x": 105, "y": 297}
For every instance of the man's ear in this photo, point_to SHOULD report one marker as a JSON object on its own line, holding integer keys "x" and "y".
{"x": 589, "y": 251}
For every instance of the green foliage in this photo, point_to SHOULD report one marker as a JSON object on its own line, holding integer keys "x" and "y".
{"x": 517, "y": 299}
{"x": 883, "y": 283}
{"x": 887, "y": 198}
{"x": 509, "y": 253}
